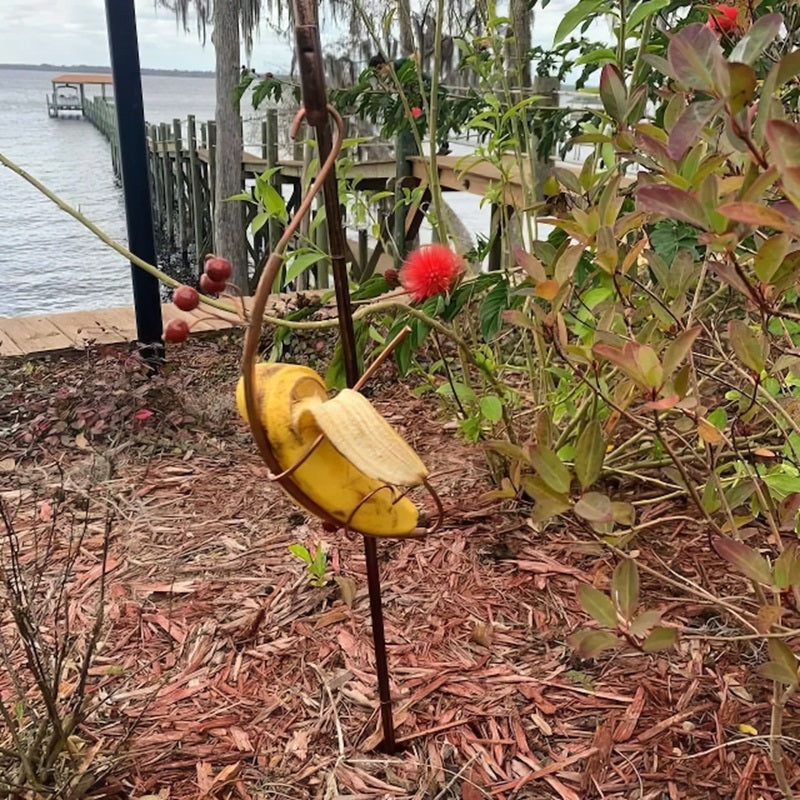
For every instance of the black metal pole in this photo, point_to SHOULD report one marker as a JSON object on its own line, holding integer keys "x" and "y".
{"x": 124, "y": 48}
{"x": 312, "y": 77}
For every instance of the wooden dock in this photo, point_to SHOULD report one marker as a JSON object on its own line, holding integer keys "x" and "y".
{"x": 39, "y": 334}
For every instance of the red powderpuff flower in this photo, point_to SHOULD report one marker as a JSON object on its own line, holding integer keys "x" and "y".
{"x": 416, "y": 112}
{"x": 392, "y": 277}
{"x": 429, "y": 271}
{"x": 723, "y": 19}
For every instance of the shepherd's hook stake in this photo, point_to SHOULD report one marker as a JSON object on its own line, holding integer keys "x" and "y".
{"x": 312, "y": 81}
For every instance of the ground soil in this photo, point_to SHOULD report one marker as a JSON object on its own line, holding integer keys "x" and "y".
{"x": 222, "y": 672}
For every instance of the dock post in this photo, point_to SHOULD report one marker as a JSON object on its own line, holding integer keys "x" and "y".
{"x": 177, "y": 149}
{"x": 166, "y": 168}
{"x": 124, "y": 49}
{"x": 197, "y": 200}
{"x": 212, "y": 173}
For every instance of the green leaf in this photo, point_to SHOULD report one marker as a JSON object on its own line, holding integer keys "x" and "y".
{"x": 259, "y": 221}
{"x": 491, "y": 408}
{"x": 787, "y": 568}
{"x": 625, "y": 588}
{"x": 506, "y": 449}
{"x": 643, "y": 622}
{"x": 678, "y": 349}
{"x": 491, "y": 310}
{"x": 761, "y": 34}
{"x": 644, "y": 10}
{"x": 595, "y": 507}
{"x": 548, "y": 503}
{"x": 660, "y": 639}
{"x": 775, "y": 671}
{"x": 550, "y": 469}
{"x": 747, "y": 346}
{"x": 613, "y": 92}
{"x": 273, "y": 202}
{"x": 770, "y": 256}
{"x": 301, "y": 552}
{"x": 589, "y": 454}
{"x": 597, "y": 605}
{"x": 624, "y": 513}
{"x": 743, "y": 82}
{"x": 750, "y": 563}
{"x": 590, "y": 644}
{"x": 649, "y": 365}
{"x": 574, "y": 17}
{"x": 302, "y": 261}
{"x": 780, "y": 653}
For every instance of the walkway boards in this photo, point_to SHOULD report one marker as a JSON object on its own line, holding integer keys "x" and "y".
{"x": 49, "y": 333}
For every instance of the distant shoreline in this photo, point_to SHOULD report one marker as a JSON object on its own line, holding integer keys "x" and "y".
{"x": 83, "y": 68}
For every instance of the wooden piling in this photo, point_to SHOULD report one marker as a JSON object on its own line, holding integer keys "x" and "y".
{"x": 180, "y": 184}
{"x": 211, "y": 128}
{"x": 158, "y": 177}
{"x": 196, "y": 190}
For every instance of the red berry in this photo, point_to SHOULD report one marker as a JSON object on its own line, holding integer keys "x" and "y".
{"x": 416, "y": 112}
{"x": 210, "y": 286}
{"x": 218, "y": 269}
{"x": 186, "y": 298}
{"x": 177, "y": 330}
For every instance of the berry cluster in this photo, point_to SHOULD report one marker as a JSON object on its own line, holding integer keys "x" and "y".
{"x": 216, "y": 274}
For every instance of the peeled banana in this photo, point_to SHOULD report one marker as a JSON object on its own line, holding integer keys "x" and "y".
{"x": 353, "y": 472}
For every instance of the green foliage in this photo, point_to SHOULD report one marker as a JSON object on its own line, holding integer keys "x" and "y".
{"x": 316, "y": 564}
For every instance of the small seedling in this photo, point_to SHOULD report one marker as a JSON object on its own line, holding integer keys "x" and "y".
{"x": 316, "y": 565}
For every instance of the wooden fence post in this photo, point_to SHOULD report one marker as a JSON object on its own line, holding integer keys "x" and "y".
{"x": 177, "y": 149}
{"x": 196, "y": 189}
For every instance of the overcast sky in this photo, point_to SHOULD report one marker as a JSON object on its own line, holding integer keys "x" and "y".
{"x": 74, "y": 32}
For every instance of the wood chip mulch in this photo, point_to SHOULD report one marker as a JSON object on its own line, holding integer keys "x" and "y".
{"x": 223, "y": 673}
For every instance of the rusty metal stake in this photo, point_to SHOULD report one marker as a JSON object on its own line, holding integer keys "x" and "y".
{"x": 312, "y": 79}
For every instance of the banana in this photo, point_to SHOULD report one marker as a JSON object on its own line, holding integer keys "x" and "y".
{"x": 295, "y": 411}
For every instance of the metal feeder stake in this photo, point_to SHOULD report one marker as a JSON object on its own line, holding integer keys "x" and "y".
{"x": 312, "y": 79}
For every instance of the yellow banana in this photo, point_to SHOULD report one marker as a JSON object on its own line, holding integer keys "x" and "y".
{"x": 291, "y": 398}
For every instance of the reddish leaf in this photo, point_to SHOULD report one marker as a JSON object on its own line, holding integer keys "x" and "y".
{"x": 745, "y": 559}
{"x": 530, "y": 264}
{"x": 689, "y": 126}
{"x": 613, "y": 93}
{"x": 755, "y": 214}
{"x": 671, "y": 202}
{"x": 590, "y": 644}
{"x": 142, "y": 414}
{"x": 696, "y": 57}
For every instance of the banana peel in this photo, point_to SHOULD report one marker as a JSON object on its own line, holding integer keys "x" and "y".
{"x": 338, "y": 455}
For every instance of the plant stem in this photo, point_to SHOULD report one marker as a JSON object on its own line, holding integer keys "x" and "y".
{"x": 780, "y": 698}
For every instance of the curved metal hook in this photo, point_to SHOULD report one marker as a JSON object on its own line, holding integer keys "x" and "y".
{"x": 253, "y": 336}
{"x": 253, "y": 333}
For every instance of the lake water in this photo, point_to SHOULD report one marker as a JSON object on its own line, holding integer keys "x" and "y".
{"x": 48, "y": 261}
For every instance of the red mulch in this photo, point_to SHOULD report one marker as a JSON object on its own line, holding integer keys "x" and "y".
{"x": 222, "y": 673}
